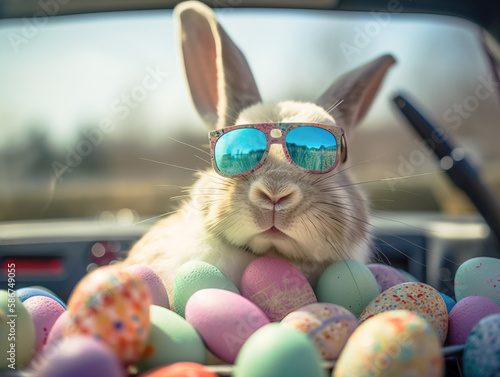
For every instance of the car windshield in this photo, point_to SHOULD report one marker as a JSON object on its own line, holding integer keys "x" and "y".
{"x": 96, "y": 118}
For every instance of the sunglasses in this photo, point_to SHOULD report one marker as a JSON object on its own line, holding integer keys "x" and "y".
{"x": 240, "y": 150}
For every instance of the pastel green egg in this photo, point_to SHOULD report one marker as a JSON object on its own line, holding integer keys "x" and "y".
{"x": 478, "y": 277}
{"x": 276, "y": 351}
{"x": 17, "y": 333}
{"x": 408, "y": 275}
{"x": 194, "y": 276}
{"x": 171, "y": 339}
{"x": 349, "y": 284}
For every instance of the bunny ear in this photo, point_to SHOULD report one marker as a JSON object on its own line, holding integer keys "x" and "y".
{"x": 350, "y": 96}
{"x": 218, "y": 74}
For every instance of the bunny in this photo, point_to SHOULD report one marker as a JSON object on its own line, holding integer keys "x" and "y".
{"x": 280, "y": 210}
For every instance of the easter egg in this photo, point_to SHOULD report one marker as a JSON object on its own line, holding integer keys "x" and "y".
{"x": 25, "y": 293}
{"x": 409, "y": 276}
{"x": 184, "y": 369}
{"x": 57, "y": 330}
{"x": 349, "y": 284}
{"x": 478, "y": 277}
{"x": 155, "y": 284}
{"x": 195, "y": 275}
{"x": 224, "y": 319}
{"x": 327, "y": 325}
{"x": 45, "y": 311}
{"x": 79, "y": 356}
{"x": 419, "y": 298}
{"x": 450, "y": 303}
{"x": 277, "y": 351}
{"x": 113, "y": 305}
{"x": 171, "y": 339}
{"x": 482, "y": 349}
{"x": 17, "y": 334}
{"x": 465, "y": 314}
{"x": 392, "y": 344}
{"x": 276, "y": 286}
{"x": 386, "y": 276}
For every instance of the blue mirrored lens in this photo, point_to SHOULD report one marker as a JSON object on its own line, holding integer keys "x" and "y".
{"x": 312, "y": 148}
{"x": 239, "y": 151}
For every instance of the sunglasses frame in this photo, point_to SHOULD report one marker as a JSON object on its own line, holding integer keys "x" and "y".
{"x": 285, "y": 128}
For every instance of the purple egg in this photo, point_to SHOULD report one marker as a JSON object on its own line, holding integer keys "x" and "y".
{"x": 78, "y": 356}
{"x": 154, "y": 283}
{"x": 466, "y": 314}
{"x": 386, "y": 276}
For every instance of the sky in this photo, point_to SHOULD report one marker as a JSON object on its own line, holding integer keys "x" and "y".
{"x": 84, "y": 70}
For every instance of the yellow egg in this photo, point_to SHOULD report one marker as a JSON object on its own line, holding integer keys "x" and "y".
{"x": 112, "y": 305}
{"x": 392, "y": 344}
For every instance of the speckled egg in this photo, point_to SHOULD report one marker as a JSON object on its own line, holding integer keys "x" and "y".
{"x": 45, "y": 311}
{"x": 277, "y": 351}
{"x": 482, "y": 350}
{"x": 419, "y": 298}
{"x": 276, "y": 286}
{"x": 224, "y": 319}
{"x": 392, "y": 344}
{"x": 386, "y": 276}
{"x": 465, "y": 314}
{"x": 154, "y": 283}
{"x": 17, "y": 334}
{"x": 195, "y": 275}
{"x": 327, "y": 325}
{"x": 79, "y": 356}
{"x": 478, "y": 277}
{"x": 171, "y": 339}
{"x": 349, "y": 284}
{"x": 113, "y": 305}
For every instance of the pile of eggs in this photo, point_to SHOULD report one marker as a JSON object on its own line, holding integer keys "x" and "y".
{"x": 358, "y": 321}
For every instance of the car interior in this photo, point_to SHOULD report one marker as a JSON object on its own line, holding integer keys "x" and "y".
{"x": 98, "y": 127}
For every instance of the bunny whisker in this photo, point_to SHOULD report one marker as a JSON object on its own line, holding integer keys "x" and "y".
{"x": 156, "y": 217}
{"x": 334, "y": 105}
{"x": 385, "y": 180}
{"x": 190, "y": 146}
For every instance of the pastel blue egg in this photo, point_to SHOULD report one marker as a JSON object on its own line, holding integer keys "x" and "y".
{"x": 482, "y": 349}
{"x": 450, "y": 303}
{"x": 25, "y": 293}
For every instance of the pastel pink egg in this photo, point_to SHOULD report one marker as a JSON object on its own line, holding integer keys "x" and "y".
{"x": 45, "y": 311}
{"x": 224, "y": 320}
{"x": 154, "y": 283}
{"x": 466, "y": 314}
{"x": 386, "y": 276}
{"x": 57, "y": 331}
{"x": 276, "y": 286}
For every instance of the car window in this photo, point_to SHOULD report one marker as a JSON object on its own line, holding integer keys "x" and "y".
{"x": 87, "y": 103}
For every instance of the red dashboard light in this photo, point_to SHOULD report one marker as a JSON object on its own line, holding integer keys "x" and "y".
{"x": 28, "y": 265}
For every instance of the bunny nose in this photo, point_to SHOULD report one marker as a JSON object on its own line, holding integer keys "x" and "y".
{"x": 284, "y": 199}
